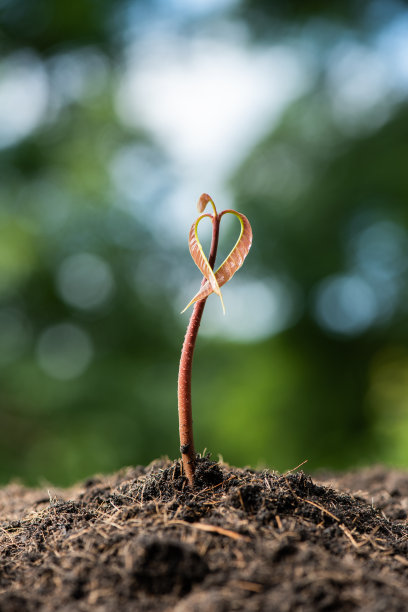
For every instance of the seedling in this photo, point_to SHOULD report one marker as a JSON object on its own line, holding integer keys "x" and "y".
{"x": 211, "y": 283}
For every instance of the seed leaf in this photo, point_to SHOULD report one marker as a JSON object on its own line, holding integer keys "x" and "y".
{"x": 231, "y": 263}
{"x": 201, "y": 260}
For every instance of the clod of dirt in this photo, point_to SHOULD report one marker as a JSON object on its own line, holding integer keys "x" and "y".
{"x": 241, "y": 540}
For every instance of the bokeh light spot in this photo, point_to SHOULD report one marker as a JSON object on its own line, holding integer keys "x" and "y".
{"x": 78, "y": 73}
{"x": 85, "y": 281}
{"x": 381, "y": 250}
{"x": 255, "y": 310}
{"x": 20, "y": 111}
{"x": 64, "y": 351}
{"x": 345, "y": 305}
{"x": 359, "y": 85}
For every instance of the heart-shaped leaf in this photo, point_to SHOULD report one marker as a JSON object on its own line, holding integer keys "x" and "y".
{"x": 201, "y": 260}
{"x": 231, "y": 263}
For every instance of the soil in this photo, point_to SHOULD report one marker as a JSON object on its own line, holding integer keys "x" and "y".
{"x": 241, "y": 540}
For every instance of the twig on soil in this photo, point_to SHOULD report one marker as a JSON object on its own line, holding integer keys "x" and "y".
{"x": 255, "y": 587}
{"x": 347, "y": 533}
{"x": 278, "y": 522}
{"x": 296, "y": 468}
{"x": 174, "y": 470}
{"x": 401, "y": 560}
{"x": 7, "y": 534}
{"x": 241, "y": 500}
{"x": 344, "y": 529}
{"x": 308, "y": 501}
{"x": 143, "y": 490}
{"x": 214, "y": 487}
{"x": 213, "y": 529}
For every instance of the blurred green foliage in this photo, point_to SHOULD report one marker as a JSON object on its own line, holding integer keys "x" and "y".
{"x": 89, "y": 331}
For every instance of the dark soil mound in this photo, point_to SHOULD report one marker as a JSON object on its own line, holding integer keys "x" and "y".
{"x": 242, "y": 540}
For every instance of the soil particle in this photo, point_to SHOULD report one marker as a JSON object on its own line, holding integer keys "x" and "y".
{"x": 141, "y": 539}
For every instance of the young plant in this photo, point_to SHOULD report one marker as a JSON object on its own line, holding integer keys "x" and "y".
{"x": 211, "y": 283}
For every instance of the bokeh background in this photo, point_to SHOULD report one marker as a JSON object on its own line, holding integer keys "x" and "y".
{"x": 115, "y": 115}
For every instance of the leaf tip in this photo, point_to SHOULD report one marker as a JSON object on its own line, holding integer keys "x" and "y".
{"x": 186, "y": 308}
{"x": 203, "y": 201}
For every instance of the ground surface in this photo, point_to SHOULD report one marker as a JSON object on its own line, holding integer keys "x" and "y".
{"x": 242, "y": 540}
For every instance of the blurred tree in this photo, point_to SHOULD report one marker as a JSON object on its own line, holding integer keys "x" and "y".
{"x": 82, "y": 342}
{"x": 48, "y": 27}
{"x": 333, "y": 220}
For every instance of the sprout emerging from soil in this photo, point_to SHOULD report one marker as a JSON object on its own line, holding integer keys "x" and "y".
{"x": 211, "y": 283}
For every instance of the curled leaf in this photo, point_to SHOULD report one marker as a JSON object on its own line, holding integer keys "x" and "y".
{"x": 232, "y": 262}
{"x": 203, "y": 201}
{"x": 201, "y": 260}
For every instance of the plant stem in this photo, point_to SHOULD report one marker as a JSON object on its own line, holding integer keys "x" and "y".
{"x": 186, "y": 361}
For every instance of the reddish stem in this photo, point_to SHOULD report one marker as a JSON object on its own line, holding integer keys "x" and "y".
{"x": 186, "y": 361}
